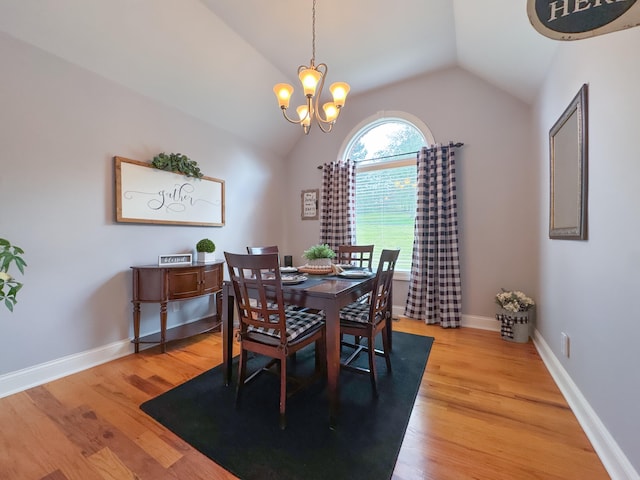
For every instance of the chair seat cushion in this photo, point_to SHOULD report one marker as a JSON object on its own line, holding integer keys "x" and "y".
{"x": 253, "y": 302}
{"x": 299, "y": 322}
{"x": 356, "y": 312}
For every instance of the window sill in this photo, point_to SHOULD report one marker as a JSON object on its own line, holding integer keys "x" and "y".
{"x": 401, "y": 275}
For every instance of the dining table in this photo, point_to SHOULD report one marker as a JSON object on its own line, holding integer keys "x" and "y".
{"x": 328, "y": 293}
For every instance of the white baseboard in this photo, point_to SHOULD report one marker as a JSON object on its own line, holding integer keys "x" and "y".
{"x": 20, "y": 380}
{"x": 470, "y": 321}
{"x": 482, "y": 323}
{"x": 613, "y": 458}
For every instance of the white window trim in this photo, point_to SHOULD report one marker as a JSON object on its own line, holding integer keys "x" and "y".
{"x": 371, "y": 122}
{"x": 399, "y": 162}
{"x": 383, "y": 116}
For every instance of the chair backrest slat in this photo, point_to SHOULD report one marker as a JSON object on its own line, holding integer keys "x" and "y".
{"x": 258, "y": 291}
{"x": 380, "y": 296}
{"x": 358, "y": 255}
{"x": 262, "y": 250}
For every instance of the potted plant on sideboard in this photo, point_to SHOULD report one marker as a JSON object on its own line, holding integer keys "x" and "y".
{"x": 205, "y": 249}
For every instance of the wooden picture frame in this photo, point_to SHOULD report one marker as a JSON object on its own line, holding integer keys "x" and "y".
{"x": 309, "y": 203}
{"x": 174, "y": 259}
{"x": 568, "y": 155}
{"x": 145, "y": 194}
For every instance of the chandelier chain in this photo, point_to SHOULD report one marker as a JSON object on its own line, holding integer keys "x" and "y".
{"x": 313, "y": 34}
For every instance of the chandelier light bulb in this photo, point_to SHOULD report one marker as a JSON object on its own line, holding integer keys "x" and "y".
{"x": 303, "y": 114}
{"x": 283, "y": 93}
{"x": 330, "y": 111}
{"x": 309, "y": 77}
{"x": 339, "y": 90}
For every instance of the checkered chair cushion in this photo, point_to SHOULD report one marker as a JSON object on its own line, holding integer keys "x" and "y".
{"x": 357, "y": 312}
{"x": 298, "y": 323}
{"x": 253, "y": 302}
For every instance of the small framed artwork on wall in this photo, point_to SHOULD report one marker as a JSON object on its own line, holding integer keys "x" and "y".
{"x": 309, "y": 204}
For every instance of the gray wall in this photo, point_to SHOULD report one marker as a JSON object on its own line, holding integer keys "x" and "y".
{"x": 497, "y": 195}
{"x": 60, "y": 127}
{"x": 588, "y": 288}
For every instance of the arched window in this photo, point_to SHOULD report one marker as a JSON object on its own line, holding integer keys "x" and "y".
{"x": 384, "y": 148}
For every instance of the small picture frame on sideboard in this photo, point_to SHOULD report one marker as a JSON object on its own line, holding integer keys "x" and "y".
{"x": 174, "y": 259}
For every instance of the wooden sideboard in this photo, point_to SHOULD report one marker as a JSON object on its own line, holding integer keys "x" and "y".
{"x": 155, "y": 284}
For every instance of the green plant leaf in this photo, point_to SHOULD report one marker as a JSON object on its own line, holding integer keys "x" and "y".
{"x": 10, "y": 254}
{"x": 206, "y": 245}
{"x": 177, "y": 162}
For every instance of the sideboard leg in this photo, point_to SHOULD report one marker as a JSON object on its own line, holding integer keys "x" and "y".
{"x": 136, "y": 326}
{"x": 163, "y": 326}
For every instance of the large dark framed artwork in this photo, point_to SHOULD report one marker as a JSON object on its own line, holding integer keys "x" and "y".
{"x": 568, "y": 155}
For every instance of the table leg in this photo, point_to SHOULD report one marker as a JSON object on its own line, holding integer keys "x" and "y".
{"x": 333, "y": 359}
{"x": 218, "y": 297}
{"x": 390, "y": 321}
{"x": 227, "y": 334}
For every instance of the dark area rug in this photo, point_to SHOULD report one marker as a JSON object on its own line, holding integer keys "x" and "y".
{"x": 248, "y": 442}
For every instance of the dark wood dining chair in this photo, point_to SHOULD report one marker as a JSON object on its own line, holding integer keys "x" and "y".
{"x": 365, "y": 320}
{"x": 360, "y": 256}
{"x": 266, "y": 326}
{"x": 262, "y": 250}
{"x": 357, "y": 255}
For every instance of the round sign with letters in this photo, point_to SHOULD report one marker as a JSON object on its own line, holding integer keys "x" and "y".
{"x": 576, "y": 19}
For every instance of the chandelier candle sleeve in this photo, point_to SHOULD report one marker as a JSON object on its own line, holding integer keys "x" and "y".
{"x": 312, "y": 78}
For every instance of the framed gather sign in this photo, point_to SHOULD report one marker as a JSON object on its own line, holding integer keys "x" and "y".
{"x": 145, "y": 194}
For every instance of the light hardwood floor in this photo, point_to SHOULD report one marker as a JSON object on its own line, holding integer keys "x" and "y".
{"x": 486, "y": 409}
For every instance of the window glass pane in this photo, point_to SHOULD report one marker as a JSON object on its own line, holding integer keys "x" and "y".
{"x": 386, "y": 139}
{"x": 386, "y": 186}
{"x": 385, "y": 210}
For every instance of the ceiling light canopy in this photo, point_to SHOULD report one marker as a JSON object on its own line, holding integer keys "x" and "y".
{"x": 312, "y": 78}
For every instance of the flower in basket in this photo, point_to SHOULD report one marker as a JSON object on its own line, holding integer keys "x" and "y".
{"x": 514, "y": 301}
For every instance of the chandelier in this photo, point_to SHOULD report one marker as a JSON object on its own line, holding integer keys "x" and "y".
{"x": 312, "y": 78}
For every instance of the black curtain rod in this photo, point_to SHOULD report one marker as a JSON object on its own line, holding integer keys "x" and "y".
{"x": 456, "y": 145}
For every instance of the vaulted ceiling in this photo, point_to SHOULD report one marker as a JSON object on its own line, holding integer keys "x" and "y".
{"x": 219, "y": 59}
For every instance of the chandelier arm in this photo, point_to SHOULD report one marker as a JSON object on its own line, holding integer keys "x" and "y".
{"x": 318, "y": 115}
{"x": 284, "y": 114}
{"x": 322, "y": 124}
